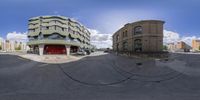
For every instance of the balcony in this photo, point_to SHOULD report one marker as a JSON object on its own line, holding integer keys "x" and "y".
{"x": 52, "y": 41}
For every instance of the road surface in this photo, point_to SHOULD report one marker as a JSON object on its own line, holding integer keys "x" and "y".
{"x": 101, "y": 77}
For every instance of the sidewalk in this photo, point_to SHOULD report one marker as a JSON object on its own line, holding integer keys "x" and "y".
{"x": 52, "y": 59}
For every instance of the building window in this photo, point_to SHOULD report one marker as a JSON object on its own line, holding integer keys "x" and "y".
{"x": 67, "y": 39}
{"x": 31, "y": 38}
{"x": 40, "y": 36}
{"x": 138, "y": 30}
{"x": 31, "y": 30}
{"x": 125, "y": 46}
{"x": 126, "y": 33}
{"x": 117, "y": 37}
{"x": 55, "y": 36}
{"x": 137, "y": 45}
{"x": 69, "y": 29}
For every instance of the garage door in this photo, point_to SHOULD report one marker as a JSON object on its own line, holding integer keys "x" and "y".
{"x": 55, "y": 49}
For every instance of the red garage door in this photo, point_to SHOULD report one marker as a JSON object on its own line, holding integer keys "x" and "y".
{"x": 55, "y": 49}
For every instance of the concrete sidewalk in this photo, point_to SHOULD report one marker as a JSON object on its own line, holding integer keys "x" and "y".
{"x": 52, "y": 59}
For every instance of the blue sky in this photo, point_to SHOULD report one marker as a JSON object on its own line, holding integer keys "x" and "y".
{"x": 106, "y": 16}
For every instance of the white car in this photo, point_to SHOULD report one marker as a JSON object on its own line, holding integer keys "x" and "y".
{"x": 81, "y": 52}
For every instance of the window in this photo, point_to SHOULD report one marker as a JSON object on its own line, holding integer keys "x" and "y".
{"x": 125, "y": 46}
{"x": 117, "y": 37}
{"x": 63, "y": 29}
{"x": 31, "y": 38}
{"x": 67, "y": 39}
{"x": 55, "y": 36}
{"x": 31, "y": 30}
{"x": 126, "y": 33}
{"x": 138, "y": 45}
{"x": 47, "y": 27}
{"x": 40, "y": 36}
{"x": 138, "y": 30}
{"x": 76, "y": 40}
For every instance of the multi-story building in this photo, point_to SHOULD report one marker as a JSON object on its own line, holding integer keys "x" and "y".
{"x": 141, "y": 36}
{"x": 181, "y": 45}
{"x": 57, "y": 35}
{"x": 171, "y": 46}
{"x": 196, "y": 45}
{"x": 12, "y": 46}
{"x": 1, "y": 43}
{"x": 178, "y": 47}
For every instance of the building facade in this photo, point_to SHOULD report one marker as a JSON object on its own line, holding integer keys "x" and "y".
{"x": 141, "y": 36}
{"x": 57, "y": 35}
{"x": 171, "y": 47}
{"x": 178, "y": 47}
{"x": 13, "y": 46}
{"x": 196, "y": 45}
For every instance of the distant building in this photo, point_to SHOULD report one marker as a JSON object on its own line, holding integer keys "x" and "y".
{"x": 1, "y": 44}
{"x": 181, "y": 45}
{"x": 7, "y": 45}
{"x": 141, "y": 36}
{"x": 178, "y": 47}
{"x": 171, "y": 46}
{"x": 12, "y": 46}
{"x": 196, "y": 45}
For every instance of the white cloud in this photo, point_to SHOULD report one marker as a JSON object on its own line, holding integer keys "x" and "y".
{"x": 17, "y": 36}
{"x": 100, "y": 40}
{"x": 55, "y": 12}
{"x": 170, "y": 37}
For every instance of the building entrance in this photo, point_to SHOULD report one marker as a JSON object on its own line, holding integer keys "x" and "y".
{"x": 54, "y": 49}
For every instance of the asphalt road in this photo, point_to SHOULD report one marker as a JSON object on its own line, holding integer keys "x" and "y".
{"x": 101, "y": 77}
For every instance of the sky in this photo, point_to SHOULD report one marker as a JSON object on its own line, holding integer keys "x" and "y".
{"x": 104, "y": 17}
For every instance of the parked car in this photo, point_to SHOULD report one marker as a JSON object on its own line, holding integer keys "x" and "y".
{"x": 87, "y": 51}
{"x": 81, "y": 52}
{"x": 106, "y": 51}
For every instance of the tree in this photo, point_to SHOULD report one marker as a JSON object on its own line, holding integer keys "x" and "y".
{"x": 18, "y": 48}
{"x": 0, "y": 47}
{"x": 199, "y": 47}
{"x": 164, "y": 47}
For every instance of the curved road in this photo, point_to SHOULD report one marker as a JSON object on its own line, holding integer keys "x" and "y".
{"x": 96, "y": 77}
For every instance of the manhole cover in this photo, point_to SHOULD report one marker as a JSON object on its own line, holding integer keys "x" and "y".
{"x": 139, "y": 63}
